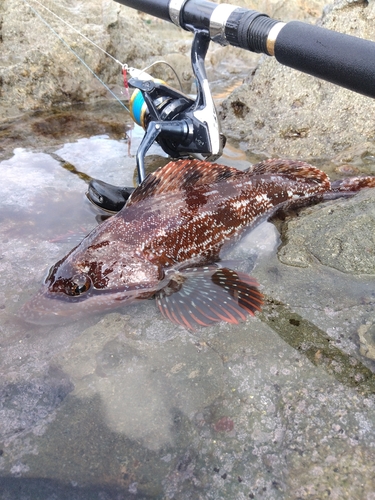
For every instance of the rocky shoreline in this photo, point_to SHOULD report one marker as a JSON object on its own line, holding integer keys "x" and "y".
{"x": 277, "y": 111}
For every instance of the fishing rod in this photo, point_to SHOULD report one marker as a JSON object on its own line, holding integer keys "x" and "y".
{"x": 183, "y": 126}
{"x": 152, "y": 100}
{"x": 342, "y": 59}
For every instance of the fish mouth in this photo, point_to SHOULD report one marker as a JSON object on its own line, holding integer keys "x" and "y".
{"x": 55, "y": 309}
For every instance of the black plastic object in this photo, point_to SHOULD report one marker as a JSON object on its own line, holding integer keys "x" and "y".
{"x": 249, "y": 30}
{"x": 345, "y": 60}
{"x": 180, "y": 125}
{"x": 196, "y": 14}
{"x": 108, "y": 197}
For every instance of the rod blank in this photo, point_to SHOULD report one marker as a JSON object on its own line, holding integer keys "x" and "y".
{"x": 341, "y": 59}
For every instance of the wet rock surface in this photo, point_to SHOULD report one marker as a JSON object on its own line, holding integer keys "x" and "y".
{"x": 340, "y": 235}
{"x": 126, "y": 405}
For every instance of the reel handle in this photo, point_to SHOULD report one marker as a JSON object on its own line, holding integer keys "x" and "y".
{"x": 341, "y": 59}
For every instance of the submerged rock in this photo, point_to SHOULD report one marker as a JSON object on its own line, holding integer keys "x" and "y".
{"x": 340, "y": 235}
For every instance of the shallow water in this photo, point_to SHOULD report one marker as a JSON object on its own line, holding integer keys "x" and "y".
{"x": 126, "y": 405}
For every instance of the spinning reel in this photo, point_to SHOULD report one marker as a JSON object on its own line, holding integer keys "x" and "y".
{"x": 180, "y": 125}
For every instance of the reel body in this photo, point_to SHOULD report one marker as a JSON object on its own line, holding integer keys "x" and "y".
{"x": 181, "y": 125}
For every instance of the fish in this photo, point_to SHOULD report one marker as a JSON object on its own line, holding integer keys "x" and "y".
{"x": 168, "y": 241}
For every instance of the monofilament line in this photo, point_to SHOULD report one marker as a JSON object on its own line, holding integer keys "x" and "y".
{"x": 76, "y": 54}
{"x": 79, "y": 33}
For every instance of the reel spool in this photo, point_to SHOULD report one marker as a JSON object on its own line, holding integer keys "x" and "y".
{"x": 139, "y": 109}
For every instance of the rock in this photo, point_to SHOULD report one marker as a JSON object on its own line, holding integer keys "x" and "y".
{"x": 282, "y": 112}
{"x": 26, "y": 404}
{"x": 37, "y": 70}
{"x": 109, "y": 359}
{"x": 340, "y": 235}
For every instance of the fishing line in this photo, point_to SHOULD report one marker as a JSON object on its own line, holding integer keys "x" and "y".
{"x": 104, "y": 51}
{"x": 77, "y": 55}
{"x": 79, "y": 33}
{"x": 169, "y": 66}
{"x": 123, "y": 66}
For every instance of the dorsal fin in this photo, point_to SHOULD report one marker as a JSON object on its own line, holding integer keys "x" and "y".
{"x": 292, "y": 168}
{"x": 180, "y": 174}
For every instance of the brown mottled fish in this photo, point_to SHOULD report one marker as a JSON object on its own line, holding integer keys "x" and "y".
{"x": 167, "y": 242}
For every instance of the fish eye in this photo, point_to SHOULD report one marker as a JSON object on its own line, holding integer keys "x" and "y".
{"x": 79, "y": 284}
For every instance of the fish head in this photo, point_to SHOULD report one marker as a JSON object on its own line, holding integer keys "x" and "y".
{"x": 98, "y": 275}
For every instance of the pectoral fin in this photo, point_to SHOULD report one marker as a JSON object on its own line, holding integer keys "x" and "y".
{"x": 203, "y": 296}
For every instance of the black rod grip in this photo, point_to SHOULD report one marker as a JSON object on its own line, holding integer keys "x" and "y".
{"x": 345, "y": 60}
{"x": 156, "y": 8}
